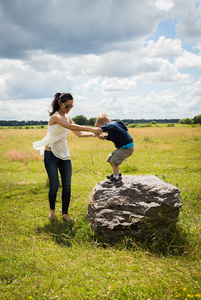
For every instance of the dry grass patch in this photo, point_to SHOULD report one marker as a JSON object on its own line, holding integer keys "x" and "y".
{"x": 15, "y": 155}
{"x": 25, "y": 182}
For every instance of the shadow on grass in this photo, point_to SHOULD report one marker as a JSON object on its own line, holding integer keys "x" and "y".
{"x": 61, "y": 232}
{"x": 175, "y": 242}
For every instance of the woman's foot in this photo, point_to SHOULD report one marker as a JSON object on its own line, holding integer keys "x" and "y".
{"x": 52, "y": 214}
{"x": 67, "y": 218}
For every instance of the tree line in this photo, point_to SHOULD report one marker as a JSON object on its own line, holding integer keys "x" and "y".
{"x": 82, "y": 120}
{"x": 21, "y": 123}
{"x": 195, "y": 120}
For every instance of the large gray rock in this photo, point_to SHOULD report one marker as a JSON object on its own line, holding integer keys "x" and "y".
{"x": 138, "y": 206}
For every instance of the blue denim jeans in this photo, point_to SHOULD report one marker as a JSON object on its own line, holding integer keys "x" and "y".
{"x": 53, "y": 165}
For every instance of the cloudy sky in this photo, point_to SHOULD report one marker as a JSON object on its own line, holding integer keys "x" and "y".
{"x": 127, "y": 58}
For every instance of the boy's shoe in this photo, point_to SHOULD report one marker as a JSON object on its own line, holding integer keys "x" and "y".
{"x": 111, "y": 176}
{"x": 113, "y": 180}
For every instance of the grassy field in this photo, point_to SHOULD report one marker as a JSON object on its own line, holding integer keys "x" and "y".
{"x": 50, "y": 260}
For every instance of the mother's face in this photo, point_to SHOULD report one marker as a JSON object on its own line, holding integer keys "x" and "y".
{"x": 66, "y": 106}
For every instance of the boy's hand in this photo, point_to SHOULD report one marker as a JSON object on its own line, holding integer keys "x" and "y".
{"x": 101, "y": 136}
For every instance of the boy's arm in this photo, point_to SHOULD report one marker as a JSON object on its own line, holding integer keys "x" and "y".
{"x": 106, "y": 127}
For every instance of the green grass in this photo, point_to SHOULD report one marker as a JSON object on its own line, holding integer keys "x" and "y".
{"x": 50, "y": 260}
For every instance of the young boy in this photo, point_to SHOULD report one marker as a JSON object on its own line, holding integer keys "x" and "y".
{"x": 118, "y": 134}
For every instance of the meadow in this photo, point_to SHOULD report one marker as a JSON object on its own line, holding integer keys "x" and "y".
{"x": 41, "y": 259}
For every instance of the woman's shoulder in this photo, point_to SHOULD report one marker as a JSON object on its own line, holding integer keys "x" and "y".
{"x": 56, "y": 118}
{"x": 53, "y": 119}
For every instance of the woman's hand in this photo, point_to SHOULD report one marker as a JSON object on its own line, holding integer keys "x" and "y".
{"x": 97, "y": 130}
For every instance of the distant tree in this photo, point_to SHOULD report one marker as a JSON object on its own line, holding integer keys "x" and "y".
{"x": 80, "y": 120}
{"x": 186, "y": 121}
{"x": 92, "y": 121}
{"x": 132, "y": 125}
{"x": 197, "y": 119}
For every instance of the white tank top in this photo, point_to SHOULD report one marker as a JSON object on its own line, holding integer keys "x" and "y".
{"x": 56, "y": 139}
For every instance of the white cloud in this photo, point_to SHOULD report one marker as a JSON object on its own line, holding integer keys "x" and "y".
{"x": 164, "y": 48}
{"x": 188, "y": 60}
{"x": 98, "y": 50}
{"x": 19, "y": 110}
{"x": 91, "y": 85}
{"x": 188, "y": 26}
{"x": 198, "y": 46}
{"x": 194, "y": 89}
{"x": 163, "y": 105}
{"x": 73, "y": 26}
{"x": 21, "y": 81}
{"x": 117, "y": 84}
{"x": 164, "y": 4}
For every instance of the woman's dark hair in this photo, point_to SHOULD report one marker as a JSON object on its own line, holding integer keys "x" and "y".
{"x": 59, "y": 97}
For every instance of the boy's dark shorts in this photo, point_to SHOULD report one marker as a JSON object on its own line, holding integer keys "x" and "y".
{"x": 119, "y": 155}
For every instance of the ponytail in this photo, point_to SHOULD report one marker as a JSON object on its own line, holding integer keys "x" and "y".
{"x": 59, "y": 97}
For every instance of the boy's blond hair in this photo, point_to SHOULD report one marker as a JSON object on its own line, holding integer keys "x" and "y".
{"x": 101, "y": 120}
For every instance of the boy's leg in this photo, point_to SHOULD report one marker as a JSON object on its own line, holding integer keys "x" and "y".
{"x": 116, "y": 176}
{"x": 114, "y": 167}
{"x": 115, "y": 159}
{"x": 115, "y": 170}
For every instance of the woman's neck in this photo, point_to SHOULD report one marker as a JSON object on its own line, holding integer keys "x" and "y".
{"x": 61, "y": 113}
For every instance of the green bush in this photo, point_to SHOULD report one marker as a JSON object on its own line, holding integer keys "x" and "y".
{"x": 197, "y": 119}
{"x": 186, "y": 121}
{"x": 132, "y": 125}
{"x": 80, "y": 120}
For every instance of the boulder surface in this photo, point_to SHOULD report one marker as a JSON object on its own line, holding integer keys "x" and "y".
{"x": 137, "y": 206}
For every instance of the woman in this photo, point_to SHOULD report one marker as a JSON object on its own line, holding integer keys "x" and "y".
{"x": 56, "y": 154}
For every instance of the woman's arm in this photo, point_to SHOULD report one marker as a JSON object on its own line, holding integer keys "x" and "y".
{"x": 64, "y": 123}
{"x": 81, "y": 134}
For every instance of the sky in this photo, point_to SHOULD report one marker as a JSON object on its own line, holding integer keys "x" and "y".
{"x": 129, "y": 59}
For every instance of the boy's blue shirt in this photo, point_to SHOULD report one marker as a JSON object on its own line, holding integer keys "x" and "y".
{"x": 117, "y": 133}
